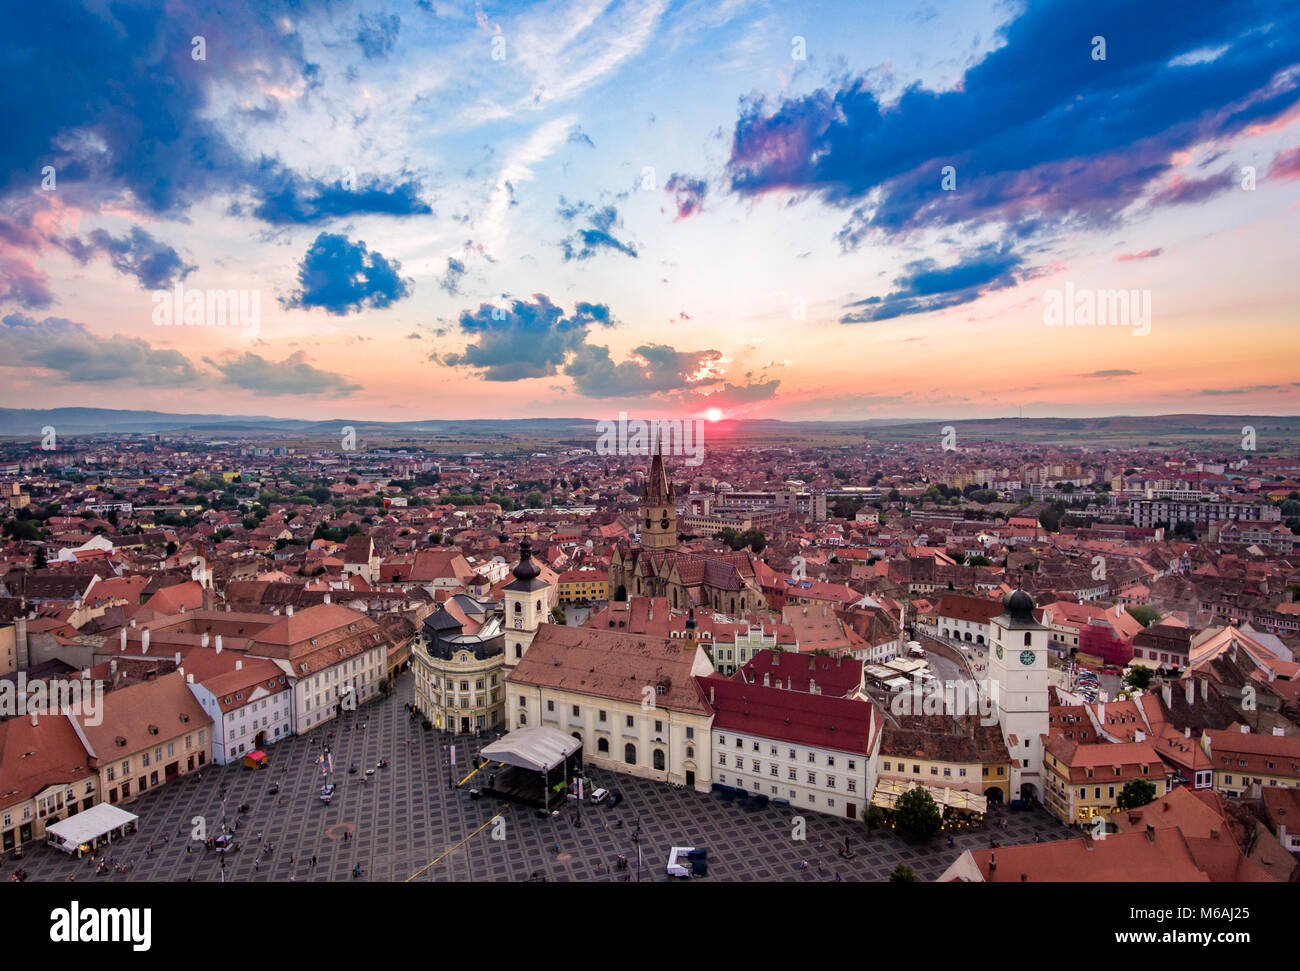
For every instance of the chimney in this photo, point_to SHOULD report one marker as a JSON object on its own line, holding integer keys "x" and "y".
{"x": 1277, "y": 730}
{"x": 239, "y": 664}
{"x": 1167, "y": 693}
{"x": 1189, "y": 690}
{"x": 144, "y": 641}
{"x": 327, "y": 596}
{"x": 288, "y": 610}
{"x": 112, "y": 666}
{"x": 178, "y": 658}
{"x": 1245, "y": 729}
{"x": 189, "y": 679}
{"x": 203, "y": 641}
{"x": 218, "y": 643}
{"x": 133, "y": 622}
{"x": 1187, "y": 732}
{"x": 1151, "y": 833}
{"x": 123, "y": 639}
{"x": 767, "y": 679}
{"x": 812, "y": 687}
{"x": 710, "y": 695}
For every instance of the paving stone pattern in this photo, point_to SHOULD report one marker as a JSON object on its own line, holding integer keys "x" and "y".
{"x": 406, "y": 816}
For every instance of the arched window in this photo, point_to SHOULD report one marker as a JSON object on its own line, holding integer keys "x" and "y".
{"x": 1027, "y": 638}
{"x": 690, "y": 752}
{"x": 523, "y": 718}
{"x": 629, "y": 753}
{"x": 602, "y": 745}
{"x": 659, "y": 759}
{"x": 518, "y": 608}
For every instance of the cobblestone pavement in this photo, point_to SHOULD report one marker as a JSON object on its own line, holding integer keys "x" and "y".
{"x": 406, "y": 816}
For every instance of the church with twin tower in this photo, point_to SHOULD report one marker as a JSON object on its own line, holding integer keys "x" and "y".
{"x": 1017, "y": 671}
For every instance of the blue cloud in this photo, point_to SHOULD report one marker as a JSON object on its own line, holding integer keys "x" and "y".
{"x": 343, "y": 277}
{"x": 451, "y": 279}
{"x": 1039, "y": 133}
{"x": 925, "y": 287}
{"x": 531, "y": 339}
{"x": 112, "y": 97}
{"x": 377, "y": 34}
{"x": 584, "y": 243}
{"x": 152, "y": 262}
{"x": 652, "y": 369}
{"x": 688, "y": 193}
{"x": 289, "y": 199}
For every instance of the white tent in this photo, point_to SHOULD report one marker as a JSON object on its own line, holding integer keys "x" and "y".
{"x": 540, "y": 748}
{"x": 87, "y": 826}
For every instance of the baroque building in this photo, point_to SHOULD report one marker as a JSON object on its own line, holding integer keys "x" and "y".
{"x": 468, "y": 646}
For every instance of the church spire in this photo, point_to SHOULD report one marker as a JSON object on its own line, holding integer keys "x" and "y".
{"x": 658, "y": 489}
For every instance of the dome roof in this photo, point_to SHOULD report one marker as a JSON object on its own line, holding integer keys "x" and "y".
{"x": 1019, "y": 605}
{"x": 526, "y": 569}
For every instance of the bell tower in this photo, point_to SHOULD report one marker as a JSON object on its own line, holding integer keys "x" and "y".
{"x": 658, "y": 512}
{"x": 527, "y": 604}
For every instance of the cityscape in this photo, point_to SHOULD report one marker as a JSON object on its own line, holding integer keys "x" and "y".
{"x": 659, "y": 442}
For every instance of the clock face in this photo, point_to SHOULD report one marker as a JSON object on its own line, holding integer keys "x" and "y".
{"x": 999, "y": 652}
{"x": 1026, "y": 658}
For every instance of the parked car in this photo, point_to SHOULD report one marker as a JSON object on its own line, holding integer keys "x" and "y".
{"x": 599, "y": 796}
{"x": 224, "y": 843}
{"x": 327, "y": 792}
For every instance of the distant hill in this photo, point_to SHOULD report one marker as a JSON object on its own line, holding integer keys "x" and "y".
{"x": 1271, "y": 430}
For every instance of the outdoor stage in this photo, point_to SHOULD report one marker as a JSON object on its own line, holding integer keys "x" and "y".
{"x": 536, "y": 766}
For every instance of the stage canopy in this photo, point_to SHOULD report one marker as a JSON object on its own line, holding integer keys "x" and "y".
{"x": 888, "y": 791}
{"x": 539, "y": 749}
{"x": 87, "y": 826}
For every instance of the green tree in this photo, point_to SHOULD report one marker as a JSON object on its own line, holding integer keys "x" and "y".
{"x": 557, "y": 615}
{"x": 1138, "y": 676}
{"x": 916, "y": 814}
{"x": 902, "y": 874}
{"x": 1136, "y": 792}
{"x": 1144, "y": 614}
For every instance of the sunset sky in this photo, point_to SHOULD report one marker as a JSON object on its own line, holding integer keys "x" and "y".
{"x": 575, "y": 209}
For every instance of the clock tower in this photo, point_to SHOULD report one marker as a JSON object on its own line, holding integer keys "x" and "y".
{"x": 1018, "y": 674}
{"x": 658, "y": 512}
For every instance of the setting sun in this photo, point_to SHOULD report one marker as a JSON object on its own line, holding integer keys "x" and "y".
{"x": 714, "y": 414}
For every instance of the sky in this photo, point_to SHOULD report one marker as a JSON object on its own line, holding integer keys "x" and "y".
{"x": 670, "y": 209}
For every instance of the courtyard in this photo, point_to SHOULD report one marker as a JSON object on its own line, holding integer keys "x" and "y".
{"x": 406, "y": 821}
